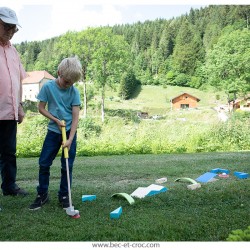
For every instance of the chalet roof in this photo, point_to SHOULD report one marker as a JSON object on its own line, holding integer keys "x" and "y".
{"x": 37, "y": 77}
{"x": 185, "y": 94}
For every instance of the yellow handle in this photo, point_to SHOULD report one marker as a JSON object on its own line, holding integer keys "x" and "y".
{"x": 64, "y": 138}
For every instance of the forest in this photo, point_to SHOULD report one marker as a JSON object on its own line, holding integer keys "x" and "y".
{"x": 206, "y": 47}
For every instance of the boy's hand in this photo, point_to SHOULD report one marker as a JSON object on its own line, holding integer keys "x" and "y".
{"x": 60, "y": 124}
{"x": 67, "y": 144}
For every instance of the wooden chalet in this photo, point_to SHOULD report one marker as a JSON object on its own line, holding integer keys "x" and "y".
{"x": 184, "y": 101}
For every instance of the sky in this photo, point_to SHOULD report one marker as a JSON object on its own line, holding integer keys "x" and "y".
{"x": 43, "y": 19}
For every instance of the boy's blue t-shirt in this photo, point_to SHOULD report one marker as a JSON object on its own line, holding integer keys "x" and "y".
{"x": 60, "y": 103}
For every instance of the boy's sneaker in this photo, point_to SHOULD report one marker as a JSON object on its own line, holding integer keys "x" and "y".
{"x": 64, "y": 201}
{"x": 39, "y": 201}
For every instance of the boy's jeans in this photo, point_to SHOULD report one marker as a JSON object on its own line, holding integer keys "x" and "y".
{"x": 51, "y": 146}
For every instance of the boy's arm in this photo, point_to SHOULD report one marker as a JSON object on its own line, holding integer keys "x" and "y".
{"x": 75, "y": 119}
{"x": 46, "y": 113}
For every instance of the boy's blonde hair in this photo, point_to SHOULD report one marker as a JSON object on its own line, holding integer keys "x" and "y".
{"x": 70, "y": 69}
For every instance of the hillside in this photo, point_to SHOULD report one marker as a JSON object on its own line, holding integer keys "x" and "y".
{"x": 156, "y": 99}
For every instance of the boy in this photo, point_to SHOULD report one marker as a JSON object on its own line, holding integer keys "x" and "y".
{"x": 63, "y": 101}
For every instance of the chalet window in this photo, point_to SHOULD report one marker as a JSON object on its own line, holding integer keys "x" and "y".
{"x": 184, "y": 106}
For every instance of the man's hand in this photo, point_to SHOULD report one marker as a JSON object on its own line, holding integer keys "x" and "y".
{"x": 21, "y": 114}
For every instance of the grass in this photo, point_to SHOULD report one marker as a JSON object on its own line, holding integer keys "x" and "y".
{"x": 156, "y": 99}
{"x": 206, "y": 214}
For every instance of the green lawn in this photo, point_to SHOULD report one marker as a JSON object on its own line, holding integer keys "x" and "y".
{"x": 206, "y": 214}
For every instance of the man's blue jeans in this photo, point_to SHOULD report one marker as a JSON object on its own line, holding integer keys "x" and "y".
{"x": 51, "y": 147}
{"x": 8, "y": 167}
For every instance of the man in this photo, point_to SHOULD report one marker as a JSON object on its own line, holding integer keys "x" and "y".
{"x": 11, "y": 110}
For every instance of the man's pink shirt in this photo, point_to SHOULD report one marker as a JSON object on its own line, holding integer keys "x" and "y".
{"x": 11, "y": 75}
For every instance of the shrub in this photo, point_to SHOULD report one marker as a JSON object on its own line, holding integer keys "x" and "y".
{"x": 124, "y": 133}
{"x": 88, "y": 127}
{"x": 126, "y": 114}
{"x": 30, "y": 106}
{"x": 128, "y": 85}
{"x": 239, "y": 235}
